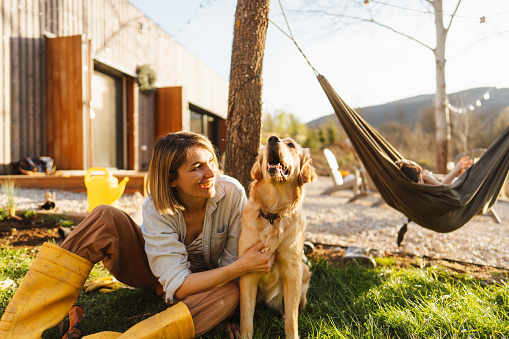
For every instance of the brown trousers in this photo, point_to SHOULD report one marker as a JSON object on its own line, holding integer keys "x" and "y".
{"x": 111, "y": 236}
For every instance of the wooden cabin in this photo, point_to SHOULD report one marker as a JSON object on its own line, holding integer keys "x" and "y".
{"x": 69, "y": 86}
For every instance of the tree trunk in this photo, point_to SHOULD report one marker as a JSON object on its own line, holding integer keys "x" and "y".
{"x": 243, "y": 126}
{"x": 441, "y": 102}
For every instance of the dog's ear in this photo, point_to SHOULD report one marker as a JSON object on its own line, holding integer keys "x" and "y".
{"x": 256, "y": 171}
{"x": 307, "y": 171}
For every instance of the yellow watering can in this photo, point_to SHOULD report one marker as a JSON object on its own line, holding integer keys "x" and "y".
{"x": 103, "y": 188}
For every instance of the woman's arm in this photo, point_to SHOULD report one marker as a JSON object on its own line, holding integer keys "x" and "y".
{"x": 166, "y": 253}
{"x": 462, "y": 165}
{"x": 429, "y": 179}
{"x": 253, "y": 261}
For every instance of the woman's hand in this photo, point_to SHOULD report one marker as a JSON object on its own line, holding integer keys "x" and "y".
{"x": 462, "y": 165}
{"x": 257, "y": 261}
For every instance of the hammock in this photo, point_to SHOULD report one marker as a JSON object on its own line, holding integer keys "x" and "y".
{"x": 442, "y": 208}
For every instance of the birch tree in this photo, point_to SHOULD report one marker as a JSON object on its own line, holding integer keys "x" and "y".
{"x": 441, "y": 102}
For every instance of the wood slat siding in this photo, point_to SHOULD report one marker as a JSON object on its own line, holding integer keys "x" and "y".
{"x": 5, "y": 114}
{"x": 39, "y": 95}
{"x": 15, "y": 82}
{"x": 22, "y": 108}
{"x": 119, "y": 34}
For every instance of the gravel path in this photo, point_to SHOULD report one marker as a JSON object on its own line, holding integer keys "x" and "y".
{"x": 70, "y": 202}
{"x": 333, "y": 221}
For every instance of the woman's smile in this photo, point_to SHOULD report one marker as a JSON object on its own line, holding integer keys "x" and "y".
{"x": 207, "y": 185}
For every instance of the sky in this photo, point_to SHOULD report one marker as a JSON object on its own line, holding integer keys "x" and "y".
{"x": 366, "y": 64}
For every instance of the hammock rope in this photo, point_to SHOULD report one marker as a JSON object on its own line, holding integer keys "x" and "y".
{"x": 290, "y": 36}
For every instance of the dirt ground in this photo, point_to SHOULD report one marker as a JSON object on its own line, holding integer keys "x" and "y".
{"x": 487, "y": 274}
{"x": 29, "y": 232}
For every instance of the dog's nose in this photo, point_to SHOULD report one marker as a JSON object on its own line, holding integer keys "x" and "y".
{"x": 273, "y": 140}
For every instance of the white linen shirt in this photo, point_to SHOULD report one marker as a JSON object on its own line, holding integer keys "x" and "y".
{"x": 164, "y": 235}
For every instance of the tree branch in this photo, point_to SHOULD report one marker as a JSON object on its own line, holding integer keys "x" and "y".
{"x": 476, "y": 42}
{"x": 453, "y": 15}
{"x": 372, "y": 21}
{"x": 401, "y": 33}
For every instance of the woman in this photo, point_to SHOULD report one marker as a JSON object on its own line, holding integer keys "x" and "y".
{"x": 185, "y": 250}
{"x": 415, "y": 173}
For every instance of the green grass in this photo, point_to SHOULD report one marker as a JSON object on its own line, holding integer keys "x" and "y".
{"x": 343, "y": 302}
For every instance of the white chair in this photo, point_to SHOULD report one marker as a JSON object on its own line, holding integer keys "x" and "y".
{"x": 359, "y": 182}
{"x": 349, "y": 182}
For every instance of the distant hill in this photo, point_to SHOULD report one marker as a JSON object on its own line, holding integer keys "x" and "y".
{"x": 406, "y": 111}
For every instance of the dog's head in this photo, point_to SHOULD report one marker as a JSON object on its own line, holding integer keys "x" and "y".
{"x": 283, "y": 160}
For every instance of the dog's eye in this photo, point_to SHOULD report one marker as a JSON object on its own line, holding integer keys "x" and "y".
{"x": 291, "y": 145}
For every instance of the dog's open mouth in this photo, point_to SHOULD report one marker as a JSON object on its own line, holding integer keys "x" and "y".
{"x": 275, "y": 167}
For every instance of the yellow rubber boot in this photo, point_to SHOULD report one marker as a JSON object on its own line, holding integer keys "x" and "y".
{"x": 46, "y": 294}
{"x": 103, "y": 335}
{"x": 174, "y": 323}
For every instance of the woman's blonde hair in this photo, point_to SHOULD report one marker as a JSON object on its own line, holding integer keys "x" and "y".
{"x": 170, "y": 152}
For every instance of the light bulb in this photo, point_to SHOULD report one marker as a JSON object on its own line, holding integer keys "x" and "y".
{"x": 486, "y": 96}
{"x": 471, "y": 107}
{"x": 478, "y": 103}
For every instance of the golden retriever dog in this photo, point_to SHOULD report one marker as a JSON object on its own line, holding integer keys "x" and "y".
{"x": 274, "y": 215}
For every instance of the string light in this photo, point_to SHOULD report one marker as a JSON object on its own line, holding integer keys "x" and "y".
{"x": 474, "y": 104}
{"x": 482, "y": 18}
{"x": 200, "y": 9}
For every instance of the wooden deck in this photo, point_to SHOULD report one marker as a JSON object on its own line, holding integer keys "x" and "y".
{"x": 74, "y": 181}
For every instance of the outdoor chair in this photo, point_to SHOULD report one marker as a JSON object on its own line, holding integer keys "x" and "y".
{"x": 349, "y": 182}
{"x": 358, "y": 181}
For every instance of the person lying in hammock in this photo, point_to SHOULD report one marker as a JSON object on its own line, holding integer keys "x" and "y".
{"x": 415, "y": 173}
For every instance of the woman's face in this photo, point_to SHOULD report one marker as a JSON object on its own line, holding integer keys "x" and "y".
{"x": 196, "y": 178}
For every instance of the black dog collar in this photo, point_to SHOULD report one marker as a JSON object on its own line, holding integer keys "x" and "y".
{"x": 269, "y": 216}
